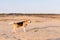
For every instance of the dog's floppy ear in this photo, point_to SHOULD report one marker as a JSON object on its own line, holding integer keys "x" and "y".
{"x": 11, "y": 22}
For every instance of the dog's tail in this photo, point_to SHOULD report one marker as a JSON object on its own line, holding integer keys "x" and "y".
{"x": 11, "y": 22}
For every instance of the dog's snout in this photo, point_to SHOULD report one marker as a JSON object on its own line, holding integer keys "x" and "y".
{"x": 30, "y": 21}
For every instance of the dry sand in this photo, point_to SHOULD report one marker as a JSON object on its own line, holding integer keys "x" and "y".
{"x": 41, "y": 28}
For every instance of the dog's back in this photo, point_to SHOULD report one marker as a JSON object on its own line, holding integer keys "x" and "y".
{"x": 20, "y": 23}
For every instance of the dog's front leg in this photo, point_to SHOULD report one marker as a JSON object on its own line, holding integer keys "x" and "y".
{"x": 24, "y": 29}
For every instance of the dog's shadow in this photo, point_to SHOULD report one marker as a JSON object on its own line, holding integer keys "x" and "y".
{"x": 37, "y": 28}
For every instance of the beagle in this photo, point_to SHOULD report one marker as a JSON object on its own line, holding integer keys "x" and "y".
{"x": 22, "y": 24}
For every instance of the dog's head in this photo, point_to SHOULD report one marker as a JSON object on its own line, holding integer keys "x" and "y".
{"x": 28, "y": 20}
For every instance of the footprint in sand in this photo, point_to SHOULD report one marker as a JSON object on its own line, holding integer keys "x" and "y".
{"x": 54, "y": 39}
{"x": 57, "y": 39}
{"x": 36, "y": 30}
{"x": 16, "y": 38}
{"x": 4, "y": 35}
{"x": 49, "y": 39}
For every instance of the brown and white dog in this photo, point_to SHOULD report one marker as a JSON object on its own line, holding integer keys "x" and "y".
{"x": 22, "y": 24}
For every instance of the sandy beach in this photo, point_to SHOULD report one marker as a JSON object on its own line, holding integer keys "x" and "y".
{"x": 40, "y": 28}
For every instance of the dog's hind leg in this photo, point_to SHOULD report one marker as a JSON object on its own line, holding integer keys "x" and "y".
{"x": 14, "y": 28}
